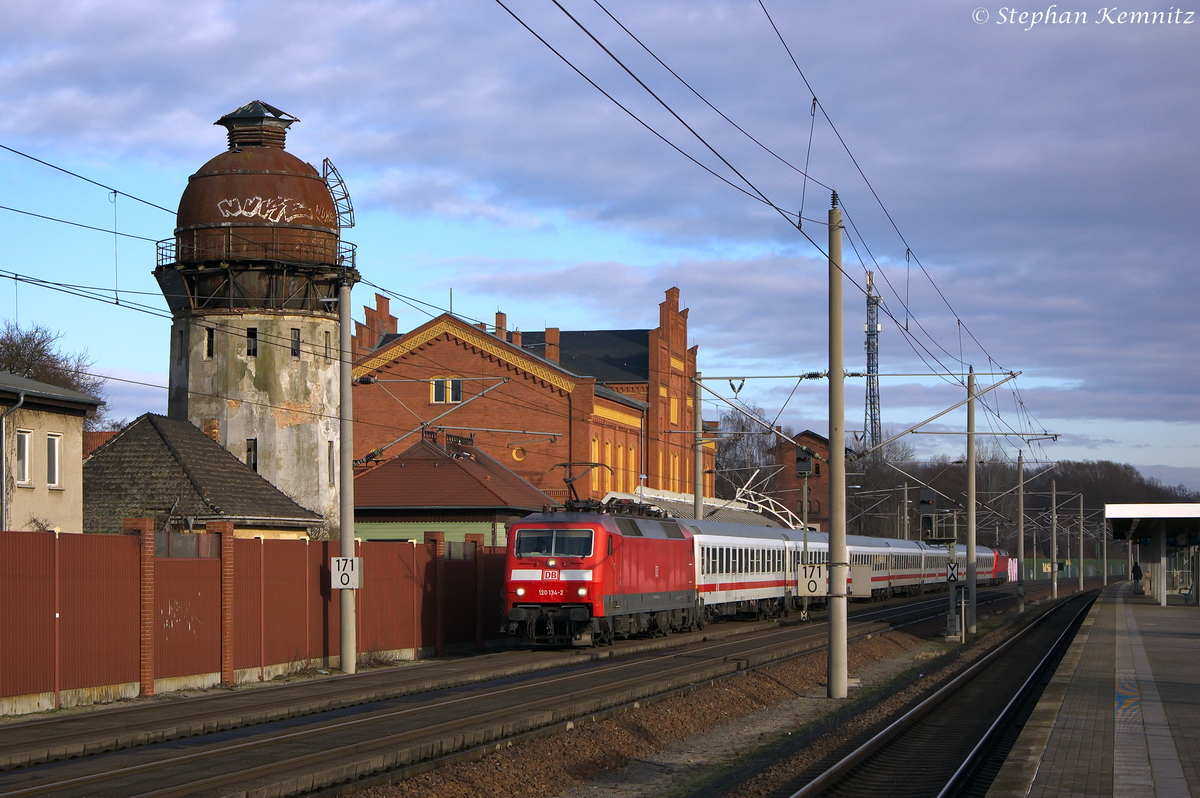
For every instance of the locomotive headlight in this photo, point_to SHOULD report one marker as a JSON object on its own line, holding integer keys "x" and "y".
{"x": 520, "y": 591}
{"x": 582, "y": 591}
{"x": 551, "y": 563}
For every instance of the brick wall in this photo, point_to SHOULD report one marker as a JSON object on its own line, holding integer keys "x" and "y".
{"x": 559, "y": 413}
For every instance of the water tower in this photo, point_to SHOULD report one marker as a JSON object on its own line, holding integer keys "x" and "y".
{"x": 252, "y": 279}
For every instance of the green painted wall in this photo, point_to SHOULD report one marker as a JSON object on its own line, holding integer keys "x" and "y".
{"x": 415, "y": 530}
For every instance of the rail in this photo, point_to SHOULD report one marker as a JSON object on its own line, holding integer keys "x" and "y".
{"x": 856, "y": 760}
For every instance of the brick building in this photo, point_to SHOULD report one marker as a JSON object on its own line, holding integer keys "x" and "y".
{"x": 788, "y": 488}
{"x": 536, "y": 400}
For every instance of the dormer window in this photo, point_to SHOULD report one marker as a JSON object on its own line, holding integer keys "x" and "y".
{"x": 445, "y": 390}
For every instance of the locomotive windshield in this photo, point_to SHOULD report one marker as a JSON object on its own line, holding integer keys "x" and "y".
{"x": 554, "y": 543}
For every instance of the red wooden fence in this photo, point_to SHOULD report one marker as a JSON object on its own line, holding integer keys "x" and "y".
{"x": 71, "y": 610}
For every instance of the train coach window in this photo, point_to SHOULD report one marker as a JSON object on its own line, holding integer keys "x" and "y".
{"x": 554, "y": 543}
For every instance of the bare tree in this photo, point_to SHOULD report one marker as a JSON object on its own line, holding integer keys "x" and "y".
{"x": 874, "y": 507}
{"x": 33, "y": 352}
{"x": 745, "y": 452}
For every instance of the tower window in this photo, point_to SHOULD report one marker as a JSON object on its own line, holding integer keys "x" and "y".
{"x": 332, "y": 457}
{"x": 210, "y": 342}
{"x": 328, "y": 346}
{"x": 252, "y": 454}
{"x": 446, "y": 390}
{"x": 295, "y": 342}
{"x": 251, "y": 342}
{"x": 182, "y": 344}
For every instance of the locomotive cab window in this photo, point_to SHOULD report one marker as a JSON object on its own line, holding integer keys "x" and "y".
{"x": 553, "y": 543}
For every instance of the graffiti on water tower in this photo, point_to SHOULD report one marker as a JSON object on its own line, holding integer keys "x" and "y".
{"x": 274, "y": 209}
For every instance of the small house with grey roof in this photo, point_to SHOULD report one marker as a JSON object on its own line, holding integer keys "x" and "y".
{"x": 168, "y": 470}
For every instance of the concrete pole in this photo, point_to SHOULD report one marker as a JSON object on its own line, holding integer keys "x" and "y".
{"x": 971, "y": 531}
{"x": 697, "y": 451}
{"x": 1080, "y": 542}
{"x": 1104, "y": 548}
{"x": 1020, "y": 531}
{"x": 1053, "y": 539}
{"x": 804, "y": 554}
{"x": 1161, "y": 532}
{"x": 349, "y": 649}
{"x": 905, "y": 511}
{"x": 838, "y": 554}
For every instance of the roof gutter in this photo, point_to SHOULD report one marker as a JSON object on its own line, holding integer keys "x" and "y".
{"x": 4, "y": 459}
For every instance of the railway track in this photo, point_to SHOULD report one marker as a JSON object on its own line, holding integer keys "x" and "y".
{"x": 943, "y": 745}
{"x": 410, "y": 731}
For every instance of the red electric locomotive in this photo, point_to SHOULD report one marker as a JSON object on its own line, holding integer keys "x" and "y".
{"x": 584, "y": 578}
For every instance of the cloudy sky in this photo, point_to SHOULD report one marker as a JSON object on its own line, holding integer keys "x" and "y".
{"x": 1042, "y": 179}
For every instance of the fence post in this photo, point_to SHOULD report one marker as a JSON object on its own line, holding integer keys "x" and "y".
{"x": 225, "y": 530}
{"x": 477, "y": 539}
{"x": 149, "y": 620}
{"x": 439, "y": 588}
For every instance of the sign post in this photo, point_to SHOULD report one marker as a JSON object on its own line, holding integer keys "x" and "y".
{"x": 813, "y": 581}
{"x": 345, "y": 573}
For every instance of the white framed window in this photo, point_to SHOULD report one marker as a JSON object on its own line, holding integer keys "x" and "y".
{"x": 22, "y": 470}
{"x": 445, "y": 390}
{"x": 53, "y": 457}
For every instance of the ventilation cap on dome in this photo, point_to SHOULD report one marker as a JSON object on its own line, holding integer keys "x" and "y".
{"x": 257, "y": 124}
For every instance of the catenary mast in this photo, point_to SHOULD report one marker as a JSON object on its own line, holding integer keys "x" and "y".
{"x": 872, "y": 428}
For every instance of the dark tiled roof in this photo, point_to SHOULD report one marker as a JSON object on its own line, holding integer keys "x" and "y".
{"x": 426, "y": 475}
{"x": 158, "y": 466}
{"x": 607, "y": 355}
{"x": 616, "y": 396}
{"x": 44, "y": 390}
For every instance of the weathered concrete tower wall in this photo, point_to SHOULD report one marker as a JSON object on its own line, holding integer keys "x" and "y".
{"x": 252, "y": 280}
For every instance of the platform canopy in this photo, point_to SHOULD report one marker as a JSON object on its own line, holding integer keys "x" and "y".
{"x": 1180, "y": 520}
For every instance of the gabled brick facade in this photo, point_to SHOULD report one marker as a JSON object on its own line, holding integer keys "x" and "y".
{"x": 536, "y": 413}
{"x": 788, "y": 488}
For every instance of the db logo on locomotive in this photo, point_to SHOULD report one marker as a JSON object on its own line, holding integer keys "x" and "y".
{"x": 549, "y": 575}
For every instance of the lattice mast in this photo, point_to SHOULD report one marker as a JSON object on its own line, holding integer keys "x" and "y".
{"x": 872, "y": 328}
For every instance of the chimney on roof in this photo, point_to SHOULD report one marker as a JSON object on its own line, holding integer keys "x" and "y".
{"x": 481, "y": 325}
{"x": 501, "y": 325}
{"x": 551, "y": 352}
{"x": 516, "y": 338}
{"x": 257, "y": 124}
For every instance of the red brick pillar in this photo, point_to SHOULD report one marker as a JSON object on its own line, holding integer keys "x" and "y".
{"x": 477, "y": 539}
{"x": 439, "y": 588}
{"x": 149, "y": 621}
{"x": 225, "y": 530}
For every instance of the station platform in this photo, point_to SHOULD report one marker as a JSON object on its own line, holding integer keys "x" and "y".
{"x": 1121, "y": 715}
